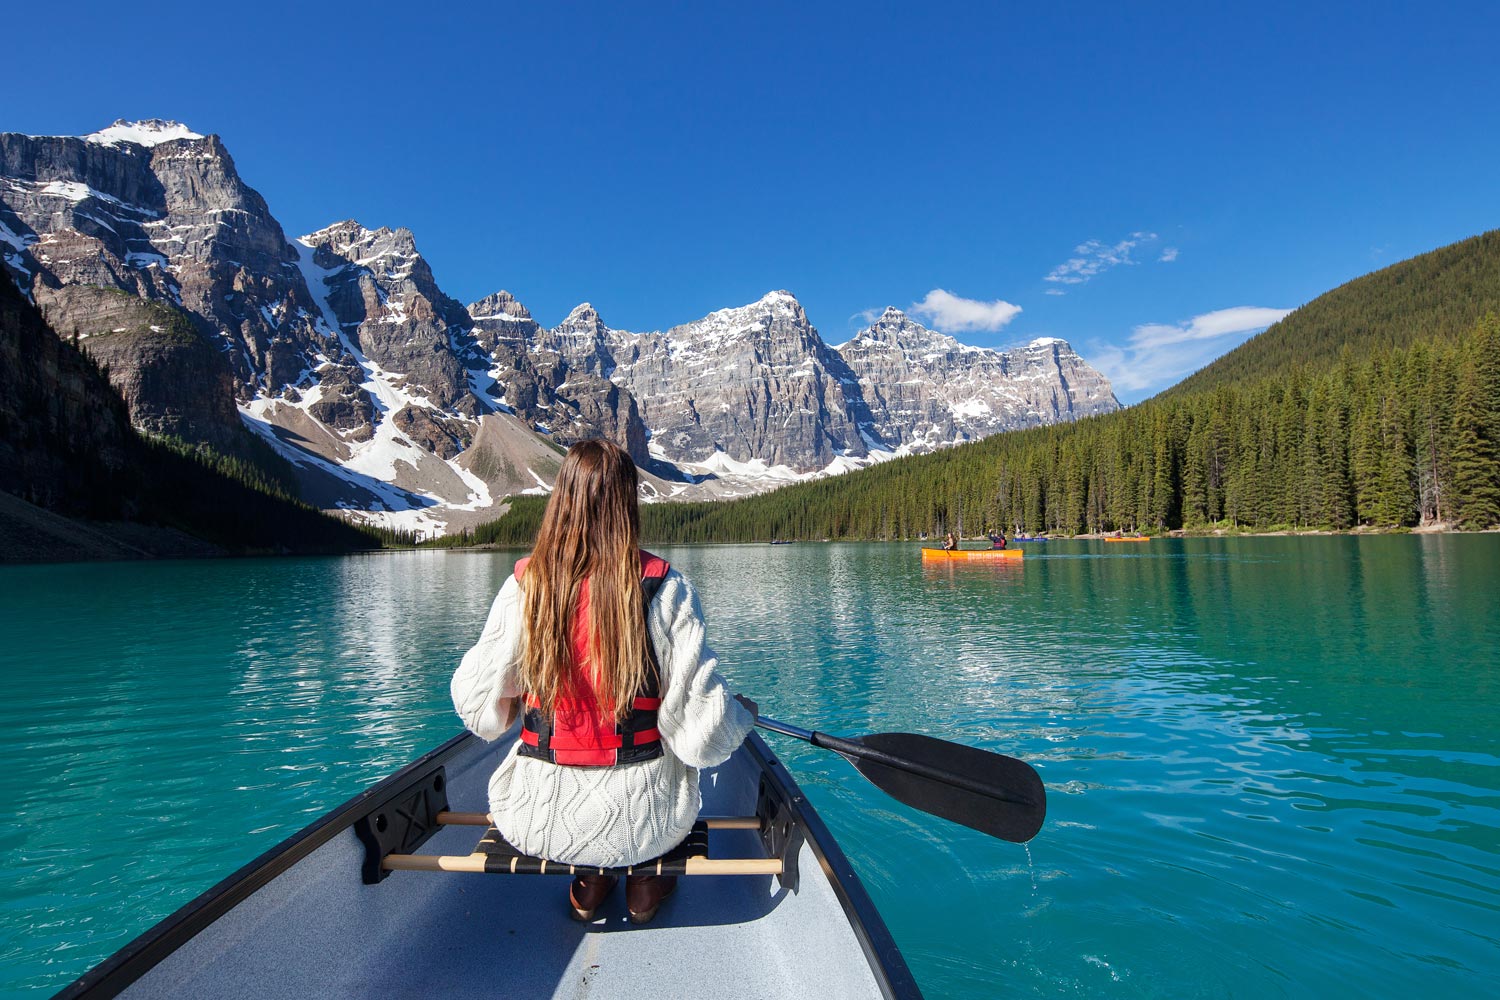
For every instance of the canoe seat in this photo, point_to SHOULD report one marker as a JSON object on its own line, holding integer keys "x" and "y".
{"x": 501, "y": 857}
{"x": 494, "y": 855}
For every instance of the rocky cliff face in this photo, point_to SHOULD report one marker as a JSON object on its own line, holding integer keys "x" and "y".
{"x": 755, "y": 384}
{"x": 174, "y": 383}
{"x": 384, "y": 298}
{"x": 159, "y": 212}
{"x": 399, "y": 404}
{"x": 557, "y": 380}
{"x": 64, "y": 435}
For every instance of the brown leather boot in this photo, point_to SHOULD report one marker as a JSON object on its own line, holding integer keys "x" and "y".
{"x": 587, "y": 892}
{"x": 644, "y": 893}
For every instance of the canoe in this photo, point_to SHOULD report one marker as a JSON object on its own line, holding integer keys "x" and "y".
{"x": 1142, "y": 538}
{"x": 1026, "y": 541}
{"x": 319, "y": 915}
{"x": 970, "y": 555}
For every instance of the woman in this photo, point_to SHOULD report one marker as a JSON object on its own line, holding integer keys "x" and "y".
{"x": 623, "y": 703}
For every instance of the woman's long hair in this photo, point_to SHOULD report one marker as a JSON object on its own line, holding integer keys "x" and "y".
{"x": 590, "y": 532}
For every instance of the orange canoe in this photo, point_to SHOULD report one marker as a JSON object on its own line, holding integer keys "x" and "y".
{"x": 1142, "y": 538}
{"x": 973, "y": 554}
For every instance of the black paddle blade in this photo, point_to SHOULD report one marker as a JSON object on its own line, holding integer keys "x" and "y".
{"x": 989, "y": 792}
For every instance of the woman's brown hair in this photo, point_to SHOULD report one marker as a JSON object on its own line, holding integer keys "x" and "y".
{"x": 590, "y": 532}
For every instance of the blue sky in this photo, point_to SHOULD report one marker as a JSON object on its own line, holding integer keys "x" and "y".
{"x": 1150, "y": 181}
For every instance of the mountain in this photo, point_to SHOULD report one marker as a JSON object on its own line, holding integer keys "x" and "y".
{"x": 741, "y": 389}
{"x": 400, "y": 406}
{"x": 925, "y": 389}
{"x": 756, "y": 388}
{"x": 158, "y": 214}
{"x": 1436, "y": 296}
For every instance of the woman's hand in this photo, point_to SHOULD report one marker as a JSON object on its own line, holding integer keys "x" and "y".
{"x": 752, "y": 706}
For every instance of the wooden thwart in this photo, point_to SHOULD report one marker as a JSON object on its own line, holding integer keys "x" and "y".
{"x": 477, "y": 863}
{"x": 493, "y": 855}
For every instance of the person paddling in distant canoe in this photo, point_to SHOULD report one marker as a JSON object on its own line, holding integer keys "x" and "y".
{"x": 950, "y": 542}
{"x": 997, "y": 539}
{"x": 621, "y": 699}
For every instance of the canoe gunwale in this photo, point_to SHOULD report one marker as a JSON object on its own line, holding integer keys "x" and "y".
{"x": 886, "y": 961}
{"x": 113, "y": 975}
{"x": 135, "y": 959}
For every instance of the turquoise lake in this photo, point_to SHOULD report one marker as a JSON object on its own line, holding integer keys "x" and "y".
{"x": 1273, "y": 764}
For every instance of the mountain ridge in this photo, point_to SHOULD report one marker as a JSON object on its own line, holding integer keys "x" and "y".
{"x": 342, "y": 351}
{"x": 1446, "y": 290}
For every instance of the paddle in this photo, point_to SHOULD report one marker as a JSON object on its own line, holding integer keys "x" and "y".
{"x": 985, "y": 791}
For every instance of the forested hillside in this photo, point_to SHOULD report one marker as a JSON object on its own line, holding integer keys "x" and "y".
{"x": 1436, "y": 297}
{"x": 67, "y": 449}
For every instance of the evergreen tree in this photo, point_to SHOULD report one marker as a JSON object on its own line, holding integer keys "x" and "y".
{"x": 1475, "y": 456}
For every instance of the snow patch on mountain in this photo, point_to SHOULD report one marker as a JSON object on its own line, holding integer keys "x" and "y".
{"x": 148, "y": 133}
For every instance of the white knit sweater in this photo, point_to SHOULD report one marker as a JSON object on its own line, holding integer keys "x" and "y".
{"x": 609, "y": 816}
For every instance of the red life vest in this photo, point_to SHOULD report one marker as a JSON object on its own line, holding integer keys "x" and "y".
{"x": 580, "y": 731}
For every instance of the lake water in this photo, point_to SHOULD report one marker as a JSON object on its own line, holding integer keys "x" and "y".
{"x": 1273, "y": 764}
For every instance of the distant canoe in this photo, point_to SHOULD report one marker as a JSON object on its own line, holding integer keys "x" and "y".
{"x": 981, "y": 555}
{"x": 1026, "y": 541}
{"x": 1142, "y": 538}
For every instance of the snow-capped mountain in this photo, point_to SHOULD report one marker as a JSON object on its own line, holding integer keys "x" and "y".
{"x": 753, "y": 385}
{"x": 396, "y": 402}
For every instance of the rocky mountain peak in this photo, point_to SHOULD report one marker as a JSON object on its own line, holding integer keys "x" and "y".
{"x": 1049, "y": 343}
{"x": 148, "y": 132}
{"x": 501, "y": 306}
{"x": 894, "y": 330}
{"x": 783, "y": 302}
{"x": 366, "y": 247}
{"x": 583, "y": 332}
{"x": 583, "y": 313}
{"x": 774, "y": 316}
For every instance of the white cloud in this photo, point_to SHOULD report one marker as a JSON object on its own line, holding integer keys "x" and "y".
{"x": 952, "y": 314}
{"x": 1095, "y": 257}
{"x": 1159, "y": 354}
{"x": 865, "y": 317}
{"x": 1168, "y": 254}
{"x": 1056, "y": 291}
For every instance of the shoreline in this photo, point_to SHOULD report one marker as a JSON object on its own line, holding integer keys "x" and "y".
{"x": 117, "y": 549}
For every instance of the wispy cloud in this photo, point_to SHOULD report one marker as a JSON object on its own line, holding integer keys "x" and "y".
{"x": 1159, "y": 354}
{"x": 955, "y": 314}
{"x": 1094, "y": 257}
{"x": 1168, "y": 255}
{"x": 865, "y": 317}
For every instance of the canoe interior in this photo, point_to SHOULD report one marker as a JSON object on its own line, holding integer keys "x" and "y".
{"x": 318, "y": 931}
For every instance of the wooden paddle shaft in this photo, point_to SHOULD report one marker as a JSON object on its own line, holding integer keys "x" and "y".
{"x": 713, "y": 822}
